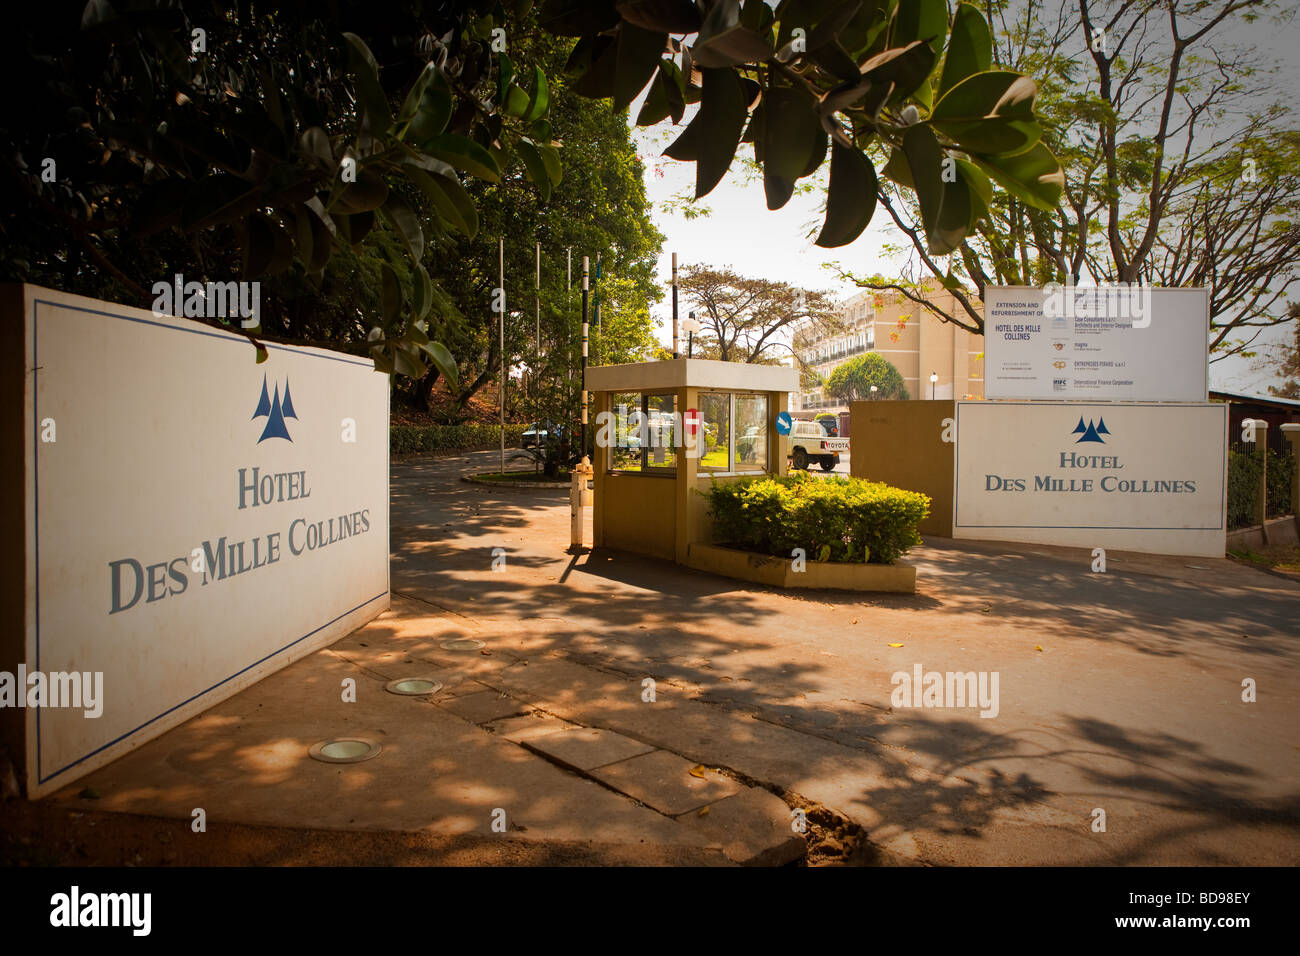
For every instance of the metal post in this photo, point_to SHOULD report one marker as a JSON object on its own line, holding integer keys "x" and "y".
{"x": 595, "y": 308}
{"x": 501, "y": 266}
{"x": 675, "y": 305}
{"x": 537, "y": 303}
{"x": 582, "y": 429}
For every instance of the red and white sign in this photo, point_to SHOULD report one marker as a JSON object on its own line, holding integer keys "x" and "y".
{"x": 691, "y": 421}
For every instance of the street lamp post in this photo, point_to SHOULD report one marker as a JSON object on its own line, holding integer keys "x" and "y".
{"x": 934, "y": 378}
{"x": 690, "y": 327}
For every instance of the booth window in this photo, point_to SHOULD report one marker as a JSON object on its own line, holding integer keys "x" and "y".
{"x": 645, "y": 433}
{"x": 735, "y": 432}
{"x": 751, "y": 433}
{"x": 659, "y": 444}
{"x": 715, "y": 422}
{"x": 625, "y": 455}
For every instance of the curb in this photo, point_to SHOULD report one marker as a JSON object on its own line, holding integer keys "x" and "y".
{"x": 478, "y": 480}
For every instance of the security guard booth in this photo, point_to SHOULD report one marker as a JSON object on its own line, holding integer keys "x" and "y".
{"x": 663, "y": 431}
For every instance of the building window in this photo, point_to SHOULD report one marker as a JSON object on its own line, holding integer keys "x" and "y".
{"x": 645, "y": 433}
{"x": 715, "y": 420}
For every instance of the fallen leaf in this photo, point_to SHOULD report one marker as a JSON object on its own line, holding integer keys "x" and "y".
{"x": 986, "y": 608}
{"x": 855, "y": 620}
{"x": 698, "y": 770}
{"x": 704, "y": 811}
{"x": 895, "y": 645}
{"x": 1038, "y": 647}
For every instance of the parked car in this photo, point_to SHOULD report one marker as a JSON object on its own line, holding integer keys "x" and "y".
{"x": 831, "y": 423}
{"x": 538, "y": 432}
{"x": 809, "y": 442}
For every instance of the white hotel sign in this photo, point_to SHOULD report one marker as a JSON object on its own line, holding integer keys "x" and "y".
{"x": 194, "y": 520}
{"x": 1079, "y": 343}
{"x": 1129, "y": 476}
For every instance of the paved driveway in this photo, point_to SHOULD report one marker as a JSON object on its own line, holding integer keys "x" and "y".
{"x": 1118, "y": 693}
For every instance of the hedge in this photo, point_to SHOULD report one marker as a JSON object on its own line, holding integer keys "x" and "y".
{"x": 836, "y": 518}
{"x": 404, "y": 439}
{"x": 1243, "y": 486}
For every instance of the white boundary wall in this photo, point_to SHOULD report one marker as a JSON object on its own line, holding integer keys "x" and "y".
{"x": 156, "y": 443}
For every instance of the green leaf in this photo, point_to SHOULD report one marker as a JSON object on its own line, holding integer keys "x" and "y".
{"x": 990, "y": 93}
{"x": 217, "y": 199}
{"x": 906, "y": 67}
{"x": 404, "y": 363}
{"x": 433, "y": 112}
{"x": 315, "y": 145}
{"x": 578, "y": 18}
{"x": 449, "y": 199}
{"x": 850, "y": 199}
{"x": 1034, "y": 177}
{"x": 535, "y": 167}
{"x": 980, "y": 187}
{"x": 376, "y": 114}
{"x": 665, "y": 98}
{"x": 262, "y": 355}
{"x": 597, "y": 58}
{"x": 925, "y": 166}
{"x": 407, "y": 225}
{"x": 990, "y": 112}
{"x": 505, "y": 73}
{"x": 540, "y": 100}
{"x": 421, "y": 292}
{"x": 464, "y": 154}
{"x": 666, "y": 16}
{"x": 551, "y": 159}
{"x": 970, "y": 47}
{"x": 368, "y": 192}
{"x": 442, "y": 360}
{"x": 415, "y": 95}
{"x": 790, "y": 133}
{"x": 720, "y": 121}
{"x": 921, "y": 20}
{"x": 639, "y": 52}
{"x": 391, "y": 293}
{"x": 725, "y": 41}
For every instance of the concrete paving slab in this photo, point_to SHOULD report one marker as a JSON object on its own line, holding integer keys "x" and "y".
{"x": 585, "y": 748}
{"x": 754, "y": 828}
{"x": 484, "y": 707}
{"x": 663, "y": 780}
{"x": 528, "y": 726}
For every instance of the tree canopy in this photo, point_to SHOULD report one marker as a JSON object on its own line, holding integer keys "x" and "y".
{"x": 852, "y": 381}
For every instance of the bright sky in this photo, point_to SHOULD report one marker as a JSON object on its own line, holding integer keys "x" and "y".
{"x": 742, "y": 233}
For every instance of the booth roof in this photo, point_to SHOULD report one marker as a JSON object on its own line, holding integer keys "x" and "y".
{"x": 695, "y": 373}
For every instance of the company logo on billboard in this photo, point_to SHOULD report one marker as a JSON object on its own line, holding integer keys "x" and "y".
{"x": 1091, "y": 432}
{"x": 1058, "y": 364}
{"x": 275, "y": 410}
{"x": 1060, "y": 384}
{"x": 1058, "y": 346}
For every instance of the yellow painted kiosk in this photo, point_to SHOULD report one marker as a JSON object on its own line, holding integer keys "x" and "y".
{"x": 664, "y": 429}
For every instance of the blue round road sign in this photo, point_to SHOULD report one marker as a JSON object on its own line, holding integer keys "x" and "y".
{"x": 784, "y": 423}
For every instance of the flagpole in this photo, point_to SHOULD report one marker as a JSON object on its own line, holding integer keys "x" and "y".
{"x": 501, "y": 267}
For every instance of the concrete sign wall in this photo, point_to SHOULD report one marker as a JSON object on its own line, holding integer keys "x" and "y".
{"x": 1126, "y": 344}
{"x": 1130, "y": 476}
{"x": 193, "y": 520}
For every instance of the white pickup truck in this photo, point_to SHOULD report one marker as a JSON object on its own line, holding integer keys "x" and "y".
{"x": 809, "y": 442}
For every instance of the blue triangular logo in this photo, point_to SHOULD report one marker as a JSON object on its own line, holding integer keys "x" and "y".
{"x": 275, "y": 412}
{"x": 1090, "y": 432}
{"x": 264, "y": 403}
